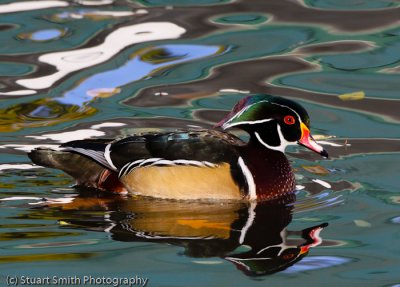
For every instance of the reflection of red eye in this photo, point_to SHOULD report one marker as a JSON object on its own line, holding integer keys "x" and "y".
{"x": 289, "y": 120}
{"x": 288, "y": 256}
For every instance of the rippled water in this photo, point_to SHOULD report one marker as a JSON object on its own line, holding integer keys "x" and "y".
{"x": 103, "y": 68}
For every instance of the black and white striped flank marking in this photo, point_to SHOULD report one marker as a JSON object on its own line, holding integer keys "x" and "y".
{"x": 130, "y": 166}
{"x": 98, "y": 156}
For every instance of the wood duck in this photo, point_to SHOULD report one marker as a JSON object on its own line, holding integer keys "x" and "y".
{"x": 196, "y": 164}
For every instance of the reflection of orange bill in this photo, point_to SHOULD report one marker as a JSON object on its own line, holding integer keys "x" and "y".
{"x": 317, "y": 169}
{"x": 315, "y": 236}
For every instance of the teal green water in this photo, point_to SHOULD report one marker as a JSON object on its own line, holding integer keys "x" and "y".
{"x": 112, "y": 68}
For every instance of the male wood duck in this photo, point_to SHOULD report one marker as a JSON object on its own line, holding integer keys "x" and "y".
{"x": 196, "y": 164}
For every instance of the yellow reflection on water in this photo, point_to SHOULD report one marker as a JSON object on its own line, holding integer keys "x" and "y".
{"x": 39, "y": 113}
{"x": 45, "y": 257}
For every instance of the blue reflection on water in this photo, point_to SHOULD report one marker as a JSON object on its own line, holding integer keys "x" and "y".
{"x": 316, "y": 262}
{"x": 46, "y": 35}
{"x": 133, "y": 70}
{"x": 396, "y": 220}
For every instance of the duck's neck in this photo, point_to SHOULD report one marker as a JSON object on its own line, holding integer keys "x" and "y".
{"x": 268, "y": 173}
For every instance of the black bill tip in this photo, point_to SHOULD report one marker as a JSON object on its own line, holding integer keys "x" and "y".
{"x": 324, "y": 153}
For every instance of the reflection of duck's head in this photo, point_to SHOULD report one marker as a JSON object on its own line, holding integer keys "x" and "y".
{"x": 251, "y": 235}
{"x": 196, "y": 164}
{"x": 278, "y": 257}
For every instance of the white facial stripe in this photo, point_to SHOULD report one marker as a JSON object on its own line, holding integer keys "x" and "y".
{"x": 226, "y": 125}
{"x": 278, "y": 148}
{"x": 249, "y": 179}
{"x": 298, "y": 116}
{"x": 238, "y": 114}
{"x": 283, "y": 142}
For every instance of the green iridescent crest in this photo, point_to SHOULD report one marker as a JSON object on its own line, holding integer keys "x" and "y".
{"x": 262, "y": 108}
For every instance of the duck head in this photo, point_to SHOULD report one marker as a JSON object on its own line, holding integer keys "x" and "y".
{"x": 273, "y": 121}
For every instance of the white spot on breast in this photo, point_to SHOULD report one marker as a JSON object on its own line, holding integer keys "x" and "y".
{"x": 107, "y": 156}
{"x": 249, "y": 179}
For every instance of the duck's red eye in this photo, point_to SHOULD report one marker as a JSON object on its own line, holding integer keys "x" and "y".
{"x": 289, "y": 120}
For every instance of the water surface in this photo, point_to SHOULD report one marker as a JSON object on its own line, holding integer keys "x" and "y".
{"x": 96, "y": 68}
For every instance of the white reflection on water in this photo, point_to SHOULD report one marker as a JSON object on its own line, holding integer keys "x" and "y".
{"x": 18, "y": 166}
{"x": 107, "y": 125}
{"x": 94, "y": 3}
{"x": 67, "y": 136}
{"x": 396, "y": 220}
{"x": 40, "y": 200}
{"x": 58, "y": 137}
{"x": 18, "y": 93}
{"x": 133, "y": 70}
{"x": 90, "y": 13}
{"x": 71, "y": 61}
{"x": 318, "y": 201}
{"x": 322, "y": 182}
{"x": 30, "y": 5}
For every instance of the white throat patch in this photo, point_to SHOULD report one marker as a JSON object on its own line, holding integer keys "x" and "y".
{"x": 283, "y": 142}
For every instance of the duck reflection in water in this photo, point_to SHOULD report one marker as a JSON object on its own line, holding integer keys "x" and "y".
{"x": 251, "y": 235}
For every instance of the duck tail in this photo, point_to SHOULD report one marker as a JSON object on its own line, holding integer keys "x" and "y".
{"x": 86, "y": 171}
